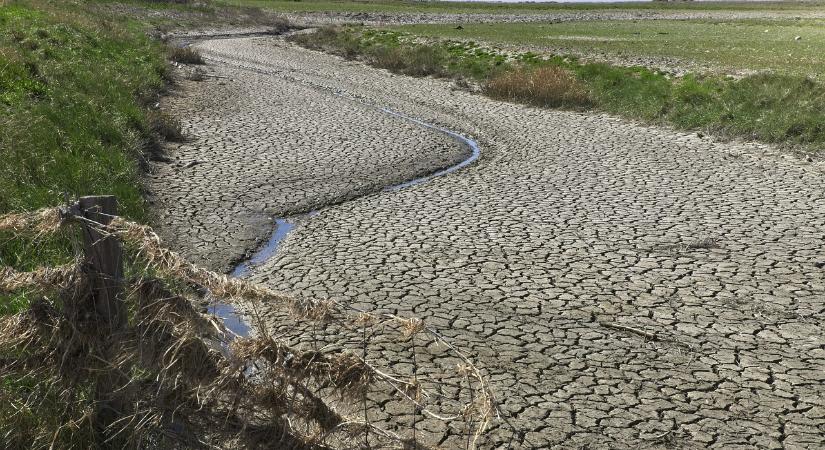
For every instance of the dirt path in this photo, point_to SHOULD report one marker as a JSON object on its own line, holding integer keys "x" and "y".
{"x": 623, "y": 286}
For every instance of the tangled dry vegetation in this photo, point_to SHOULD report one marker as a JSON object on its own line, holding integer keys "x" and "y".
{"x": 185, "y": 55}
{"x": 174, "y": 377}
{"x": 548, "y": 86}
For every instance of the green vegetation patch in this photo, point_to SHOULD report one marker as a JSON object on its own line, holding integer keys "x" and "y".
{"x": 785, "y": 109}
{"x": 789, "y": 46}
{"x": 400, "y": 53}
{"x": 72, "y": 120}
{"x": 779, "y": 109}
{"x": 71, "y": 116}
{"x": 418, "y": 6}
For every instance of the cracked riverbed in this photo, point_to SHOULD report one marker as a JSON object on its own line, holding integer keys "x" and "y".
{"x": 622, "y": 286}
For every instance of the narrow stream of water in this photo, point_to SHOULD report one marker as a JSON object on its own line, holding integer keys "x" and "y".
{"x": 231, "y": 319}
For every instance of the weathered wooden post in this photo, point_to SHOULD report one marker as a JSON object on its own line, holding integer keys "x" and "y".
{"x": 103, "y": 261}
{"x": 103, "y": 265}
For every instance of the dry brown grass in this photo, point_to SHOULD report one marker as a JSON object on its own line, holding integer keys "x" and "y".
{"x": 42, "y": 278}
{"x": 184, "y": 382}
{"x": 40, "y": 222}
{"x": 165, "y": 126}
{"x": 543, "y": 86}
{"x": 185, "y": 55}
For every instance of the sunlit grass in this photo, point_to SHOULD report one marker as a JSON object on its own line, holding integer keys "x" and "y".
{"x": 785, "y": 109}
{"x": 414, "y": 6}
{"x": 782, "y": 46}
{"x": 71, "y": 118}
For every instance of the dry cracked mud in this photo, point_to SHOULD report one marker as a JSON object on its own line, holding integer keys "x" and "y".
{"x": 260, "y": 148}
{"x": 622, "y": 286}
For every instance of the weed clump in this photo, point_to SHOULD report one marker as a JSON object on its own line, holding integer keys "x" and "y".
{"x": 547, "y": 86}
{"x": 165, "y": 126}
{"x": 418, "y": 61}
{"x": 279, "y": 25}
{"x": 196, "y": 75}
{"x": 330, "y": 39}
{"x": 186, "y": 55}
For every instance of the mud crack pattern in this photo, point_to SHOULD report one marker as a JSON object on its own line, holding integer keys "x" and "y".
{"x": 623, "y": 286}
{"x": 260, "y": 147}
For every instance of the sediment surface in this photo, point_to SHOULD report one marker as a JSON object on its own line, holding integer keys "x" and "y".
{"x": 623, "y": 286}
{"x": 261, "y": 147}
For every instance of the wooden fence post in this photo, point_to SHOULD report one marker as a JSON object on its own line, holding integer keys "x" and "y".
{"x": 103, "y": 265}
{"x": 103, "y": 261}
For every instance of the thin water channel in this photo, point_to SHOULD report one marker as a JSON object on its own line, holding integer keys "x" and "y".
{"x": 232, "y": 320}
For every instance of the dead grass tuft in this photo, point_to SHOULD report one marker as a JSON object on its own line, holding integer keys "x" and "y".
{"x": 548, "y": 86}
{"x": 41, "y": 222}
{"x": 332, "y": 39}
{"x": 279, "y": 25}
{"x": 165, "y": 126}
{"x": 185, "y": 55}
{"x": 706, "y": 243}
{"x": 43, "y": 278}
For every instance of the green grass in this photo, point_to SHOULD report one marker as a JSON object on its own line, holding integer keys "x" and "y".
{"x": 26, "y": 419}
{"x": 409, "y": 6}
{"x": 733, "y": 45}
{"x": 776, "y": 108}
{"x": 738, "y": 45}
{"x": 390, "y": 50}
{"x": 75, "y": 82}
{"x": 72, "y": 119}
{"x": 163, "y": 16}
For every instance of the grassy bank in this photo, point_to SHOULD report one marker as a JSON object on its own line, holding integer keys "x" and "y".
{"x": 412, "y": 6}
{"x": 794, "y": 47}
{"x": 74, "y": 89}
{"x": 73, "y": 116}
{"x": 783, "y": 109}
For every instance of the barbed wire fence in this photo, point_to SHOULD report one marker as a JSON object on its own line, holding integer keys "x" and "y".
{"x": 114, "y": 343}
